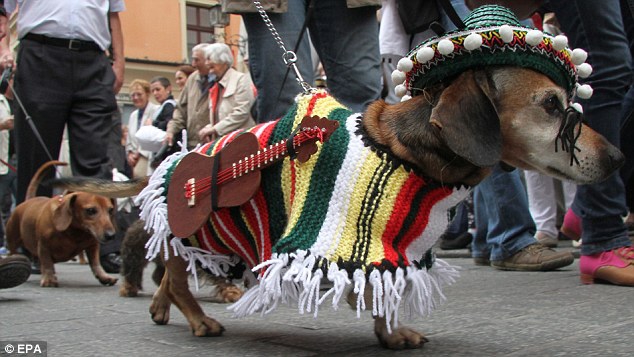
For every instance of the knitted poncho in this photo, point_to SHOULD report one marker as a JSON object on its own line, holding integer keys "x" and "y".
{"x": 352, "y": 212}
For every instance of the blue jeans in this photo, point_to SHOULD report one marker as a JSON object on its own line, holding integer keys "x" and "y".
{"x": 503, "y": 222}
{"x": 346, "y": 40}
{"x": 597, "y": 27}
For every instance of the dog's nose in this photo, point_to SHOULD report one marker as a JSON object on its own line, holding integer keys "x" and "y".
{"x": 108, "y": 237}
{"x": 616, "y": 158}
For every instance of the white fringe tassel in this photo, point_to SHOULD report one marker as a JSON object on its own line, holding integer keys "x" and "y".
{"x": 292, "y": 278}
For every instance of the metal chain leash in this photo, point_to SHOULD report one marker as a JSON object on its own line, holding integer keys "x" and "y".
{"x": 289, "y": 57}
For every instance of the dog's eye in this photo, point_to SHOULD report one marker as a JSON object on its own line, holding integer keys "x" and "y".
{"x": 111, "y": 211}
{"x": 551, "y": 104}
{"x": 91, "y": 211}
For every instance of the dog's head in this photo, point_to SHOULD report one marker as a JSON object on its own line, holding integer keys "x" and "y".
{"x": 499, "y": 91}
{"x": 521, "y": 117}
{"x": 87, "y": 212}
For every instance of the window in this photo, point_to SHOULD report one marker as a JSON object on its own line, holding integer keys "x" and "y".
{"x": 199, "y": 29}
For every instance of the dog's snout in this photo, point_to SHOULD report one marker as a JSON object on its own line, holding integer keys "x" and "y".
{"x": 109, "y": 236}
{"x": 616, "y": 157}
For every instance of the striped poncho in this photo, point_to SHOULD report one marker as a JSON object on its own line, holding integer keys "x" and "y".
{"x": 352, "y": 212}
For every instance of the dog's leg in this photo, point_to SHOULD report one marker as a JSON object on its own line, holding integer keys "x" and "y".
{"x": 225, "y": 290}
{"x": 97, "y": 269}
{"x": 82, "y": 258}
{"x": 176, "y": 287}
{"x": 401, "y": 337}
{"x": 160, "y": 307}
{"x": 47, "y": 267}
{"x": 133, "y": 260}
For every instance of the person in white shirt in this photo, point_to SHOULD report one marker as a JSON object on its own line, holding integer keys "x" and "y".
{"x": 65, "y": 78}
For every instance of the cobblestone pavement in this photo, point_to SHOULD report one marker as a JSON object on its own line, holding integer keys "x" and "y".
{"x": 487, "y": 313}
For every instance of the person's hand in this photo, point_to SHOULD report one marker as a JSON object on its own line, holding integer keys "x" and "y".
{"x": 133, "y": 158}
{"x": 169, "y": 138}
{"x": 118, "y": 67}
{"x": 206, "y": 133}
{"x": 3, "y": 26}
{"x": 6, "y": 59}
{"x": 7, "y": 124}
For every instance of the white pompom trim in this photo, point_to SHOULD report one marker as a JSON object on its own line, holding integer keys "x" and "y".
{"x": 445, "y": 47}
{"x": 400, "y": 90}
{"x": 534, "y": 37}
{"x": 406, "y": 98}
{"x": 405, "y": 64}
{"x": 577, "y": 107}
{"x": 398, "y": 77}
{"x": 473, "y": 42}
{"x": 506, "y": 32}
{"x": 425, "y": 54}
{"x": 578, "y": 56}
{"x": 584, "y": 70}
{"x": 584, "y": 91}
{"x": 560, "y": 42}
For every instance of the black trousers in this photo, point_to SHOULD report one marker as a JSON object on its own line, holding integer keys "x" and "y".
{"x": 59, "y": 87}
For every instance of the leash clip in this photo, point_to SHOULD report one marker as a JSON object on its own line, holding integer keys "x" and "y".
{"x": 290, "y": 58}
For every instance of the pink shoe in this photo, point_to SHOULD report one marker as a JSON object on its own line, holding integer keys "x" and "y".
{"x": 615, "y": 266}
{"x": 571, "y": 227}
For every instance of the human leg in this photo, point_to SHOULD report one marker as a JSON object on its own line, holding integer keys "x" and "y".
{"x": 541, "y": 204}
{"x": 44, "y": 86}
{"x": 265, "y": 59}
{"x": 347, "y": 42}
{"x": 597, "y": 27}
{"x": 510, "y": 229}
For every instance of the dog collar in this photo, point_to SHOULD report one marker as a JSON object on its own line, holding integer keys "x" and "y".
{"x": 492, "y": 36}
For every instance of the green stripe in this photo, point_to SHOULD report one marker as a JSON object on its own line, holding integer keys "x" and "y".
{"x": 271, "y": 182}
{"x": 322, "y": 182}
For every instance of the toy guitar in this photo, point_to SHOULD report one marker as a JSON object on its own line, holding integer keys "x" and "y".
{"x": 201, "y": 183}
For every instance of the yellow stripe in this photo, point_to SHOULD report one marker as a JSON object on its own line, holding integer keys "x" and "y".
{"x": 392, "y": 189}
{"x": 303, "y": 172}
{"x": 349, "y": 235}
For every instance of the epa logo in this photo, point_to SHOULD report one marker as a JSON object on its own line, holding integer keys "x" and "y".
{"x": 26, "y": 348}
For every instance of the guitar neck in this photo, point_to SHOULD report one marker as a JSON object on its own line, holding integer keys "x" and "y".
{"x": 271, "y": 154}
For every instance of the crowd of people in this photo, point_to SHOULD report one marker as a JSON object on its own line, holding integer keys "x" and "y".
{"x": 511, "y": 223}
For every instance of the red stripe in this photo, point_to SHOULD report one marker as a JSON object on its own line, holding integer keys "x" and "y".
{"x": 246, "y": 253}
{"x": 422, "y": 219}
{"x": 395, "y": 222}
{"x": 262, "y": 236}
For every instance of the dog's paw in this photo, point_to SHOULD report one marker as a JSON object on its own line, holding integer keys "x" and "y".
{"x": 128, "y": 290}
{"x": 48, "y": 282}
{"x": 160, "y": 312}
{"x": 107, "y": 280}
{"x": 230, "y": 293}
{"x": 401, "y": 338}
{"x": 208, "y": 327}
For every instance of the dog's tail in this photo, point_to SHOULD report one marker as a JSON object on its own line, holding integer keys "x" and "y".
{"x": 37, "y": 178}
{"x": 108, "y": 188}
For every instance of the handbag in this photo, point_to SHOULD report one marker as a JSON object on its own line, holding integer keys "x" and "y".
{"x": 417, "y": 15}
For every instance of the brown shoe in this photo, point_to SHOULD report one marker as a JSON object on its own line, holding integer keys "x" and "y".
{"x": 535, "y": 257}
{"x": 547, "y": 240}
{"x": 14, "y": 270}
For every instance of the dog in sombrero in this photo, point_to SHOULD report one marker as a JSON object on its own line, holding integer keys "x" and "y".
{"x": 365, "y": 208}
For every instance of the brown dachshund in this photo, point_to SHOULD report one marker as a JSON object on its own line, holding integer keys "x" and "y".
{"x": 59, "y": 228}
{"x": 454, "y": 134}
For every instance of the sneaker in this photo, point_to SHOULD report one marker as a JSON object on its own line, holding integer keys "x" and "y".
{"x": 14, "y": 270}
{"x": 482, "y": 261}
{"x": 535, "y": 257}
{"x": 111, "y": 263}
{"x": 546, "y": 239}
{"x": 461, "y": 241}
{"x": 615, "y": 267}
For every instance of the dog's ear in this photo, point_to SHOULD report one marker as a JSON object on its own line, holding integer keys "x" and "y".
{"x": 467, "y": 120}
{"x": 63, "y": 215}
